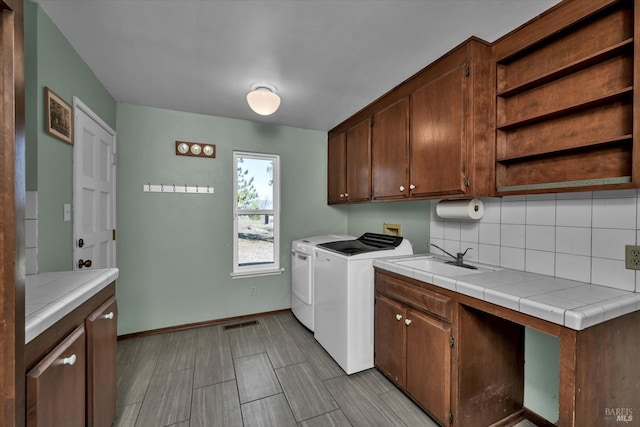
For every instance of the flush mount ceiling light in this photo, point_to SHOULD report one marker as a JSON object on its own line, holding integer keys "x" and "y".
{"x": 263, "y": 99}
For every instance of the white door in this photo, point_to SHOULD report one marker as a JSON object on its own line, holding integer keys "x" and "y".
{"x": 94, "y": 191}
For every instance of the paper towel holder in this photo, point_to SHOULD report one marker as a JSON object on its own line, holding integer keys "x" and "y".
{"x": 466, "y": 209}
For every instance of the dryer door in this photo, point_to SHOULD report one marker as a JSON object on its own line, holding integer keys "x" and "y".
{"x": 301, "y": 276}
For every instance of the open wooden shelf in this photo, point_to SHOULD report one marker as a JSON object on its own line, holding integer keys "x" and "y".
{"x": 603, "y": 55}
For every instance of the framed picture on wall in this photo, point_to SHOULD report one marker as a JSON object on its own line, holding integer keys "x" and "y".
{"x": 59, "y": 116}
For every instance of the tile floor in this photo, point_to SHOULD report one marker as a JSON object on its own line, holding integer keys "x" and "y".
{"x": 269, "y": 374}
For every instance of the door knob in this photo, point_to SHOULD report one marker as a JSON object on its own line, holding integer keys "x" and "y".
{"x": 109, "y": 315}
{"x": 84, "y": 263}
{"x": 71, "y": 360}
{"x": 402, "y": 188}
{"x": 412, "y": 187}
{"x": 398, "y": 316}
{"x": 407, "y": 322}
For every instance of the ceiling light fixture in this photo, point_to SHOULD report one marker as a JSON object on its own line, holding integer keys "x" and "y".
{"x": 263, "y": 99}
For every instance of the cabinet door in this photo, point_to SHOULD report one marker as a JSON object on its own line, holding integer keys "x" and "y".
{"x": 102, "y": 332}
{"x": 390, "y": 152}
{"x": 359, "y": 162}
{"x": 390, "y": 339}
{"x": 438, "y": 135}
{"x": 56, "y": 385}
{"x": 429, "y": 364}
{"x": 337, "y": 169}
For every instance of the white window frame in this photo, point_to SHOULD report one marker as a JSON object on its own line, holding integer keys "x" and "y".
{"x": 240, "y": 271}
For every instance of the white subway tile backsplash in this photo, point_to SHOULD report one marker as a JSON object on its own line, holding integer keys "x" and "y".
{"x": 540, "y": 237}
{"x": 436, "y": 229}
{"x": 491, "y": 211}
{"x": 573, "y": 212}
{"x": 576, "y": 236}
{"x": 541, "y": 212}
{"x": 31, "y": 205}
{"x": 489, "y": 254}
{"x": 573, "y": 267}
{"x": 512, "y": 235}
{"x": 513, "y": 212}
{"x": 489, "y": 234}
{"x": 469, "y": 231}
{"x": 615, "y": 213}
{"x": 540, "y": 262}
{"x": 609, "y": 243}
{"x": 512, "y": 258}
{"x": 608, "y": 272}
{"x": 573, "y": 240}
{"x": 452, "y": 229}
{"x": 31, "y": 233}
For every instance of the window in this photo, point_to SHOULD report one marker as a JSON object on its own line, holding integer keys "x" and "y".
{"x": 256, "y": 216}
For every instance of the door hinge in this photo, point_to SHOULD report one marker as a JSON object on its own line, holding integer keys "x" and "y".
{"x": 113, "y": 234}
{"x": 114, "y": 159}
{"x": 467, "y": 182}
{"x": 450, "y": 417}
{"x": 452, "y": 341}
{"x": 467, "y": 71}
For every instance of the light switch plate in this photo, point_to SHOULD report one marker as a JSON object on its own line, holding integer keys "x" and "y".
{"x": 67, "y": 212}
{"x": 632, "y": 257}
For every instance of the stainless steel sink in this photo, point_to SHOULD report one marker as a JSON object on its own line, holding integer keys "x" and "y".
{"x": 433, "y": 265}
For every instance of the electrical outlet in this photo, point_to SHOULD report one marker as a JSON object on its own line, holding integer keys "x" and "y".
{"x": 632, "y": 257}
{"x": 253, "y": 291}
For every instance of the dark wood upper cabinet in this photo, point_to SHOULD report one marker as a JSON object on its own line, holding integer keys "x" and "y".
{"x": 349, "y": 164}
{"x": 337, "y": 169}
{"x": 359, "y": 162}
{"x": 390, "y": 152}
{"x": 431, "y": 134}
{"x": 565, "y": 100}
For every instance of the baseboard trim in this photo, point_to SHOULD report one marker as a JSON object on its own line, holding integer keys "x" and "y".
{"x": 199, "y": 324}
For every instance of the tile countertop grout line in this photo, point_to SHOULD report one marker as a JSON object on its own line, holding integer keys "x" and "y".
{"x": 599, "y": 303}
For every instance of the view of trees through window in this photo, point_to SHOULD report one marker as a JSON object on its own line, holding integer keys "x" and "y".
{"x": 255, "y": 216}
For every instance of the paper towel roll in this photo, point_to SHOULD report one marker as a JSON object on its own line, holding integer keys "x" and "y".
{"x": 460, "y": 209}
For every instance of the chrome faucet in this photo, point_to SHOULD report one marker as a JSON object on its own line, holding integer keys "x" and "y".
{"x": 459, "y": 258}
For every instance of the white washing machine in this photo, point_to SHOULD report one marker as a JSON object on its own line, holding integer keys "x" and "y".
{"x": 302, "y": 261}
{"x": 344, "y": 296}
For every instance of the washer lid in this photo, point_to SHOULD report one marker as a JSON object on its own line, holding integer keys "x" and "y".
{"x": 368, "y": 242}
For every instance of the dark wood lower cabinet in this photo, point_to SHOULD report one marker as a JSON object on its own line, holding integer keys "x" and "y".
{"x": 101, "y": 364}
{"x": 56, "y": 385}
{"x": 429, "y": 364}
{"x": 82, "y": 393}
{"x": 413, "y": 348}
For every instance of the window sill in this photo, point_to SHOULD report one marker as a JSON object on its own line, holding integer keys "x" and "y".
{"x": 256, "y": 273}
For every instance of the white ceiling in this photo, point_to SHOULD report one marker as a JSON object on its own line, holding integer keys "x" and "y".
{"x": 327, "y": 58}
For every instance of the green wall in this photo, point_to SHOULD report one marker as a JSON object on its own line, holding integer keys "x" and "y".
{"x": 50, "y": 61}
{"x": 542, "y": 374}
{"x": 413, "y": 216}
{"x": 175, "y": 250}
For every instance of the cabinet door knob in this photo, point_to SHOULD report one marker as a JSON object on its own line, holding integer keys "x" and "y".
{"x": 346, "y": 194}
{"x": 407, "y": 322}
{"x": 109, "y": 315}
{"x": 341, "y": 195}
{"x": 71, "y": 360}
{"x": 402, "y": 188}
{"x": 398, "y": 316}
{"x": 412, "y": 187}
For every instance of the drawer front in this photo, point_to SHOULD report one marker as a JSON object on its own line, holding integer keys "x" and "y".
{"x": 423, "y": 299}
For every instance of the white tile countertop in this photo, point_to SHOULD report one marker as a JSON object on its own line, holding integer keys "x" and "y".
{"x": 576, "y": 305}
{"x": 50, "y": 296}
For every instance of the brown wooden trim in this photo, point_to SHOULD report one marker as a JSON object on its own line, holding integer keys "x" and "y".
{"x": 12, "y": 199}
{"x": 635, "y": 173}
{"x": 55, "y": 334}
{"x": 536, "y": 419}
{"x": 199, "y": 324}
